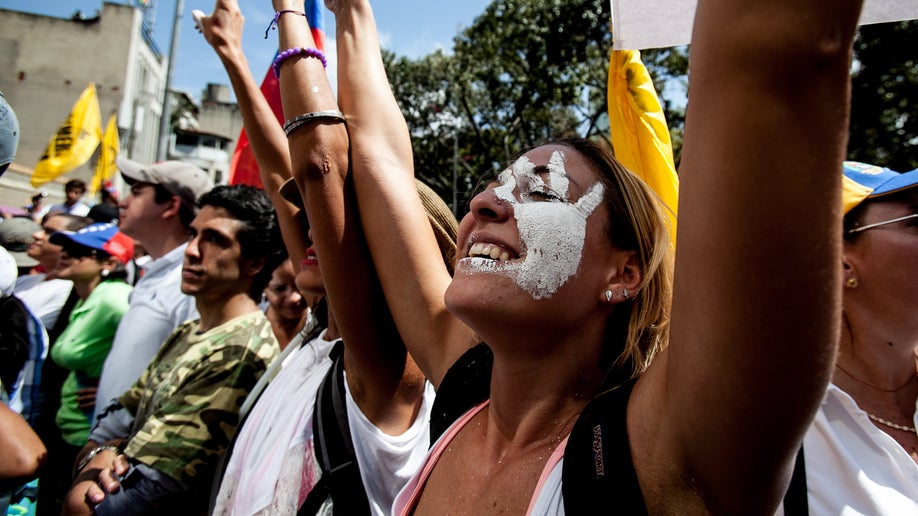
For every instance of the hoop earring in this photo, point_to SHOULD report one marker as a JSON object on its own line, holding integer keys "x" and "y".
{"x": 851, "y": 282}
{"x": 608, "y": 296}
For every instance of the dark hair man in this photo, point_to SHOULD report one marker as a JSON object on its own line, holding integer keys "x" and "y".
{"x": 158, "y": 447}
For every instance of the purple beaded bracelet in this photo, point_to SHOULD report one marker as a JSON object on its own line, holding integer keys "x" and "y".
{"x": 290, "y": 52}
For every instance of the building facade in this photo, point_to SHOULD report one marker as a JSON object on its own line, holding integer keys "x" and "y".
{"x": 46, "y": 62}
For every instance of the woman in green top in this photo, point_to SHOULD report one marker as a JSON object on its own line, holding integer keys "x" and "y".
{"x": 94, "y": 259}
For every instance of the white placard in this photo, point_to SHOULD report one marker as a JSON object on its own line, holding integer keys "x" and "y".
{"x": 665, "y": 23}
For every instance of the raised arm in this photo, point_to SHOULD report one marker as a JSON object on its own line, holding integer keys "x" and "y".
{"x": 384, "y": 382}
{"x": 405, "y": 252}
{"x": 223, "y": 30}
{"x": 757, "y": 295}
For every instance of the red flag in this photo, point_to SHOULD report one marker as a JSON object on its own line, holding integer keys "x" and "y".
{"x": 243, "y": 169}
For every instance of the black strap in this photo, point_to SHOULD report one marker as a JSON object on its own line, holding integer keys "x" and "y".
{"x": 466, "y": 384}
{"x": 598, "y": 466}
{"x": 334, "y": 448}
{"x": 796, "y": 502}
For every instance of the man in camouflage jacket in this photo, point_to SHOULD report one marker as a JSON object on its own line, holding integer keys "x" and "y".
{"x": 158, "y": 447}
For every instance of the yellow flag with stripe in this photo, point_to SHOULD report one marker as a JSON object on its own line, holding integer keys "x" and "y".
{"x": 105, "y": 166}
{"x": 640, "y": 136}
{"x": 75, "y": 140}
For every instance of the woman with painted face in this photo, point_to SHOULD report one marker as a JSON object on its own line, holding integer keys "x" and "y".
{"x": 861, "y": 453}
{"x": 563, "y": 272}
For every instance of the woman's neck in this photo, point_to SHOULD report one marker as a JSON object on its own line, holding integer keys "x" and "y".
{"x": 284, "y": 329}
{"x": 534, "y": 396}
{"x": 84, "y": 287}
{"x": 883, "y": 380}
{"x": 876, "y": 363}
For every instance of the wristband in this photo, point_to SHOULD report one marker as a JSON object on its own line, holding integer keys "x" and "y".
{"x": 95, "y": 451}
{"x": 294, "y": 123}
{"x": 277, "y": 15}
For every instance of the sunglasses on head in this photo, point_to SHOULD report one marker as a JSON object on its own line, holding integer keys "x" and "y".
{"x": 80, "y": 252}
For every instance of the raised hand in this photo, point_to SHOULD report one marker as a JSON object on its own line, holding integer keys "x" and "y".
{"x": 223, "y": 28}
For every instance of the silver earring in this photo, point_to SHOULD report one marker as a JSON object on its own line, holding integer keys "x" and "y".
{"x": 608, "y": 296}
{"x": 625, "y": 294}
{"x": 105, "y": 273}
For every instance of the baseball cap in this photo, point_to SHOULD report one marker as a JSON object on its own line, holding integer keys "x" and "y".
{"x": 104, "y": 212}
{"x": 181, "y": 179}
{"x": 9, "y": 134}
{"x": 100, "y": 236}
{"x": 8, "y": 273}
{"x": 863, "y": 181}
{"x": 16, "y": 236}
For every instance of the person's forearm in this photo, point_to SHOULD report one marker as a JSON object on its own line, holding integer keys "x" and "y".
{"x": 269, "y": 146}
{"x": 21, "y": 451}
{"x": 265, "y": 134}
{"x": 114, "y": 424}
{"x": 391, "y": 212}
{"x": 374, "y": 118}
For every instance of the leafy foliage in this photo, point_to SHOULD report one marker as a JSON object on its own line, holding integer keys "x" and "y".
{"x": 529, "y": 70}
{"x": 884, "y": 112}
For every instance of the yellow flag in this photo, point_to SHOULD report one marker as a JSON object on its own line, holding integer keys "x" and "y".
{"x": 75, "y": 140}
{"x": 105, "y": 166}
{"x": 640, "y": 136}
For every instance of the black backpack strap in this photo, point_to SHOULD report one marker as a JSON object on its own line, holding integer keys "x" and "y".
{"x": 466, "y": 384}
{"x": 796, "y": 502}
{"x": 334, "y": 448}
{"x": 598, "y": 467}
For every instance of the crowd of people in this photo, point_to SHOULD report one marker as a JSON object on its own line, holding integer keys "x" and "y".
{"x": 338, "y": 343}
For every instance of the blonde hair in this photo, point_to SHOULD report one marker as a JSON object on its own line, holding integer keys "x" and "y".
{"x": 638, "y": 329}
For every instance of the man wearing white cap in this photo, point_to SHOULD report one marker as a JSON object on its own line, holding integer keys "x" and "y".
{"x": 9, "y": 134}
{"x": 157, "y": 213}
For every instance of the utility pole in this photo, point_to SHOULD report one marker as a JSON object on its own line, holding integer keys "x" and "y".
{"x": 164, "y": 127}
{"x": 456, "y": 172}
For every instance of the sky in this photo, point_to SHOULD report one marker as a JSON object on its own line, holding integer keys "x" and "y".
{"x": 411, "y": 28}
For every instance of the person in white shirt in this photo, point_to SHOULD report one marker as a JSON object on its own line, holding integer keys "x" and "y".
{"x": 73, "y": 200}
{"x": 157, "y": 212}
{"x": 861, "y": 452}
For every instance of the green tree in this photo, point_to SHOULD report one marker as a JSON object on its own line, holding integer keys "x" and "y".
{"x": 884, "y": 112}
{"x": 527, "y": 70}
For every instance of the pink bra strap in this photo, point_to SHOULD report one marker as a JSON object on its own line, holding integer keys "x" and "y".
{"x": 435, "y": 453}
{"x": 555, "y": 458}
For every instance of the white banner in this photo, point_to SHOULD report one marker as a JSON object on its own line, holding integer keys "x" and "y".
{"x": 666, "y": 23}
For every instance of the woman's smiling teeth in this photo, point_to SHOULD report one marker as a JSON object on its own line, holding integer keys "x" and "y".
{"x": 492, "y": 251}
